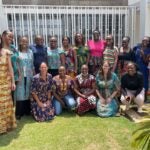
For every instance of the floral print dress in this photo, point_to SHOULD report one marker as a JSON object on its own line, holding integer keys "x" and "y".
{"x": 41, "y": 88}
{"x": 84, "y": 86}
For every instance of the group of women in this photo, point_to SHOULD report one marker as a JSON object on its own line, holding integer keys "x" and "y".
{"x": 45, "y": 80}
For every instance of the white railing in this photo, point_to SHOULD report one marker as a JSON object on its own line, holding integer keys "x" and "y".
{"x": 30, "y": 20}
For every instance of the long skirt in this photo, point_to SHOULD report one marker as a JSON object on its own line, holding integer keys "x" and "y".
{"x": 7, "y": 115}
{"x": 85, "y": 104}
{"x": 107, "y": 110}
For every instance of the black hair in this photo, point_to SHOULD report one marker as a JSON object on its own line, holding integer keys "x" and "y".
{"x": 127, "y": 37}
{"x": 67, "y": 38}
{"x": 112, "y": 37}
{"x": 75, "y": 39}
{"x": 135, "y": 65}
{"x": 19, "y": 45}
{"x": 96, "y": 31}
{"x": 3, "y": 34}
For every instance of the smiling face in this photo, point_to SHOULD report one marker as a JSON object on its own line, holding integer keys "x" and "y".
{"x": 53, "y": 43}
{"x": 7, "y": 37}
{"x": 125, "y": 42}
{"x": 62, "y": 71}
{"x": 79, "y": 38}
{"x": 24, "y": 43}
{"x": 96, "y": 35}
{"x": 131, "y": 68}
{"x": 65, "y": 41}
{"x": 39, "y": 40}
{"x": 106, "y": 67}
{"x": 109, "y": 40}
{"x": 84, "y": 70}
{"x": 43, "y": 68}
{"x": 145, "y": 41}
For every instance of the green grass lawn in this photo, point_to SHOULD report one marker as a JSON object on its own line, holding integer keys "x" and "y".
{"x": 70, "y": 132}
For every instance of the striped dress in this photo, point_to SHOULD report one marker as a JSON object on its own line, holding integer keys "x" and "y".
{"x": 7, "y": 116}
{"x": 110, "y": 55}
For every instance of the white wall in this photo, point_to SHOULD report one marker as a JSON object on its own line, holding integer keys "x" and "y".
{"x": 133, "y": 2}
{"x": 147, "y": 24}
{"x": 142, "y": 18}
{"x": 3, "y": 24}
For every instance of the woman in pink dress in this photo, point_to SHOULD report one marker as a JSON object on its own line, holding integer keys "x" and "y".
{"x": 96, "y": 47}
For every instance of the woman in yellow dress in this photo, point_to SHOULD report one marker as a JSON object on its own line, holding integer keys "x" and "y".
{"x": 7, "y": 116}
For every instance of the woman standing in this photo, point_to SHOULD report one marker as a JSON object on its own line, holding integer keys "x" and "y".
{"x": 96, "y": 47}
{"x": 125, "y": 55}
{"x": 107, "y": 89}
{"x": 7, "y": 83}
{"x": 41, "y": 91}
{"x": 15, "y": 64}
{"x": 81, "y": 50}
{"x": 55, "y": 56}
{"x": 85, "y": 90}
{"x": 23, "y": 86}
{"x": 141, "y": 54}
{"x": 110, "y": 53}
{"x": 70, "y": 57}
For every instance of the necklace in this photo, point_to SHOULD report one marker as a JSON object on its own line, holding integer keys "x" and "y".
{"x": 63, "y": 84}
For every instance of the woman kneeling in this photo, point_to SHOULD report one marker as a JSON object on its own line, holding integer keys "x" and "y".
{"x": 63, "y": 96}
{"x": 132, "y": 87}
{"x": 85, "y": 90}
{"x": 41, "y": 89}
{"x": 107, "y": 89}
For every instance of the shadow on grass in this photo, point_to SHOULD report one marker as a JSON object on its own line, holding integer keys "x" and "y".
{"x": 5, "y": 139}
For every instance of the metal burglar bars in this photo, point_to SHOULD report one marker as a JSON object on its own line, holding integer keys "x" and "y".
{"x": 30, "y": 20}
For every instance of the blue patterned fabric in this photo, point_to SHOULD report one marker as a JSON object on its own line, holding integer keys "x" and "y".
{"x": 54, "y": 58}
{"x": 107, "y": 110}
{"x": 22, "y": 91}
{"x": 106, "y": 88}
{"x": 41, "y": 88}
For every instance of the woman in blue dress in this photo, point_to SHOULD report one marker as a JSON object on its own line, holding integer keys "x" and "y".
{"x": 107, "y": 89}
{"x": 141, "y": 54}
{"x": 23, "y": 86}
{"x": 55, "y": 57}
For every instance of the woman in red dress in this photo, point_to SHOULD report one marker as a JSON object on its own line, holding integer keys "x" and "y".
{"x": 85, "y": 90}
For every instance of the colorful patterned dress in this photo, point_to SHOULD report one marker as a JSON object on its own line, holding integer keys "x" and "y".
{"x": 106, "y": 88}
{"x": 84, "y": 86}
{"x": 64, "y": 89}
{"x": 110, "y": 55}
{"x": 82, "y": 56}
{"x": 41, "y": 88}
{"x": 27, "y": 68}
{"x": 7, "y": 116}
{"x": 54, "y": 61}
{"x": 96, "y": 54}
{"x": 70, "y": 62}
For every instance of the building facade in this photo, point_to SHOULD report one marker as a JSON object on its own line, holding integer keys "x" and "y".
{"x": 142, "y": 17}
{"x": 68, "y": 2}
{"x": 66, "y": 17}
